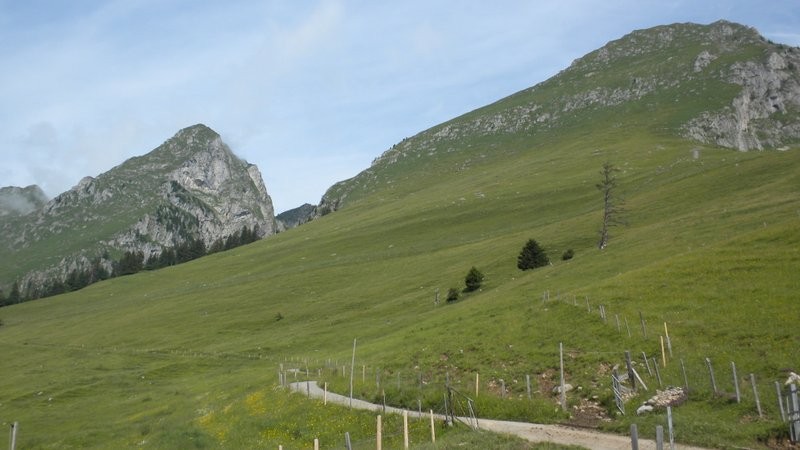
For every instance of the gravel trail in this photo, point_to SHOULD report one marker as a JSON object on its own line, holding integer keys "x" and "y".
{"x": 533, "y": 432}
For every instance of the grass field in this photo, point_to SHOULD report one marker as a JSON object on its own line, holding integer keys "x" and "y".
{"x": 189, "y": 356}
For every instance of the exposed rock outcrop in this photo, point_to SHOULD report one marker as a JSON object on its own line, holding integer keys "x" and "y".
{"x": 296, "y": 217}
{"x": 763, "y": 115}
{"x": 191, "y": 188}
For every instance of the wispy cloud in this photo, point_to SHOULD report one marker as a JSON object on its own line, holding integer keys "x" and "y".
{"x": 292, "y": 86}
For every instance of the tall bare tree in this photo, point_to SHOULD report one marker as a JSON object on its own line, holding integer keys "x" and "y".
{"x": 612, "y": 205}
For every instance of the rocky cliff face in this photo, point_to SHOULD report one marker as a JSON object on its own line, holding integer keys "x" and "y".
{"x": 190, "y": 188}
{"x": 764, "y": 113}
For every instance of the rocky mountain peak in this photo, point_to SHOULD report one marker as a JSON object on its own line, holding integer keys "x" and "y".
{"x": 192, "y": 188}
{"x": 17, "y": 201}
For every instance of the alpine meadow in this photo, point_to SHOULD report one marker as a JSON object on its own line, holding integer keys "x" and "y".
{"x": 699, "y": 269}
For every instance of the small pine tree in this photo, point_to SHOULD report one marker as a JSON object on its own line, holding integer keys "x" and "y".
{"x": 473, "y": 280}
{"x": 452, "y": 295}
{"x": 532, "y": 256}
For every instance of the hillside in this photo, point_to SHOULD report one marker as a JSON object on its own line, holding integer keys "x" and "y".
{"x": 190, "y": 356}
{"x": 191, "y": 188}
{"x": 720, "y": 84}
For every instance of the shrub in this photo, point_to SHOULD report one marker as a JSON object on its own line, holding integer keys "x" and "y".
{"x": 532, "y": 256}
{"x": 568, "y": 254}
{"x": 473, "y": 280}
{"x": 452, "y": 295}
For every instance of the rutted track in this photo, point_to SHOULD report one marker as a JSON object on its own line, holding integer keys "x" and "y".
{"x": 557, "y": 434}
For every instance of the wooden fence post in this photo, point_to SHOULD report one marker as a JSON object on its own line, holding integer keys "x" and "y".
{"x": 347, "y": 443}
{"x": 669, "y": 343}
{"x": 325, "y": 394}
{"x": 711, "y": 373}
{"x": 563, "y": 390}
{"x": 378, "y": 437}
{"x": 528, "y": 385}
{"x": 644, "y": 328}
{"x": 629, "y": 366}
{"x": 685, "y": 378}
{"x": 405, "y": 429}
{"x": 14, "y": 429}
{"x": 352, "y": 369}
{"x": 736, "y": 383}
{"x": 663, "y": 355}
{"x": 669, "y": 428}
{"x": 634, "y": 437}
{"x": 780, "y": 401}
{"x": 647, "y": 364}
{"x": 755, "y": 394}
{"x": 627, "y": 327}
{"x": 477, "y": 376}
{"x": 658, "y": 374}
{"x": 316, "y": 443}
{"x": 433, "y": 429}
{"x": 659, "y": 437}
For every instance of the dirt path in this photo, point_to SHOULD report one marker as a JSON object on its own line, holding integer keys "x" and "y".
{"x": 532, "y": 432}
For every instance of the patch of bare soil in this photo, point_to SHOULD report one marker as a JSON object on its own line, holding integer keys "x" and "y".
{"x": 588, "y": 414}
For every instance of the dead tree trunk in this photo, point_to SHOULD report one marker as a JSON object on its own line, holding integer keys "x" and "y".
{"x": 611, "y": 205}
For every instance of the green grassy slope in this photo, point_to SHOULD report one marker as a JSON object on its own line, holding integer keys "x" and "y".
{"x": 712, "y": 248}
{"x": 189, "y": 356}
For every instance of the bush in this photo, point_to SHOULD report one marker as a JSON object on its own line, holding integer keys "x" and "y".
{"x": 473, "y": 280}
{"x": 532, "y": 256}
{"x": 452, "y": 295}
{"x": 568, "y": 254}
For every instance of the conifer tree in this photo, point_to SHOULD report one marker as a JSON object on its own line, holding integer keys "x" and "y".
{"x": 473, "y": 280}
{"x": 532, "y": 256}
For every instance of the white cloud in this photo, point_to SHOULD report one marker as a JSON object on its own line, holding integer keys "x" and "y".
{"x": 87, "y": 85}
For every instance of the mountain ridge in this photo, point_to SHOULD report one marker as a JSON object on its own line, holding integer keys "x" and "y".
{"x": 192, "y": 187}
{"x": 734, "y": 89}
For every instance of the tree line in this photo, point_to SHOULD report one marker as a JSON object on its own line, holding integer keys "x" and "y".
{"x": 129, "y": 263}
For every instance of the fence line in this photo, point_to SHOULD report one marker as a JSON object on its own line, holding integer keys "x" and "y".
{"x": 697, "y": 377}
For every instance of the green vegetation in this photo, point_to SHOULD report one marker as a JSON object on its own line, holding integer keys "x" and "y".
{"x": 189, "y": 355}
{"x": 473, "y": 280}
{"x": 532, "y": 256}
{"x": 453, "y": 295}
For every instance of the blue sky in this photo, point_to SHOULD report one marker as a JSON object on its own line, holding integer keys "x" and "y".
{"x": 310, "y": 91}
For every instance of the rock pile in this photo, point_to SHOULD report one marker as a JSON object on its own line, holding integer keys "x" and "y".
{"x": 672, "y": 396}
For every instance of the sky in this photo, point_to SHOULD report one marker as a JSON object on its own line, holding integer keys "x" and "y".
{"x": 310, "y": 91}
